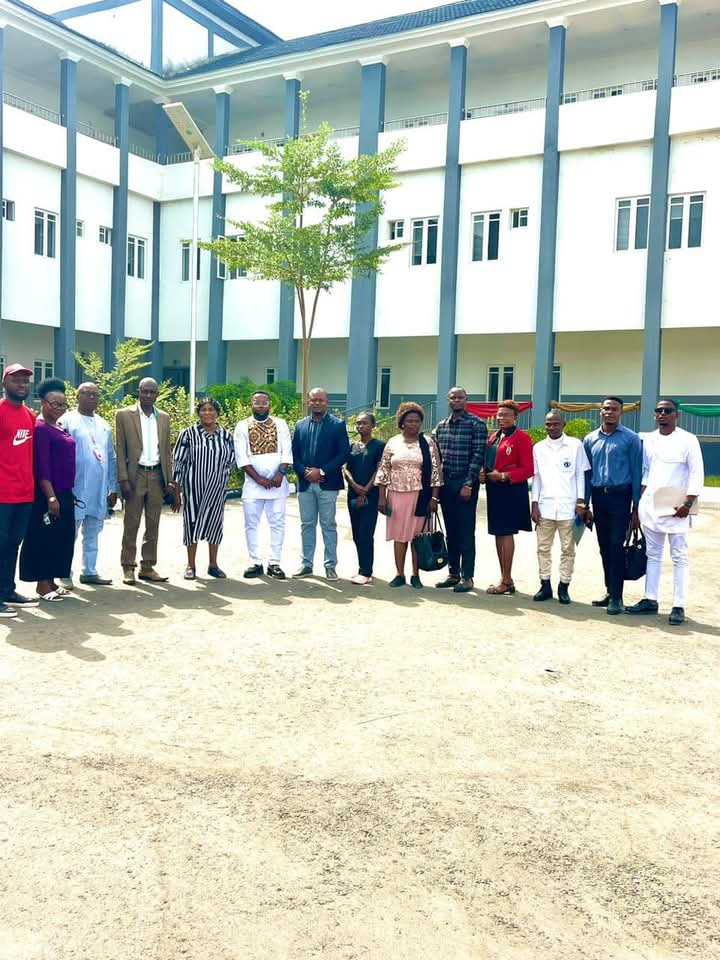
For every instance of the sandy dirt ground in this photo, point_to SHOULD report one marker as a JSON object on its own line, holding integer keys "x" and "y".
{"x": 256, "y": 770}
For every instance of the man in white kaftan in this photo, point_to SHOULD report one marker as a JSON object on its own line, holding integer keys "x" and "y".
{"x": 672, "y": 461}
{"x": 95, "y": 487}
{"x": 263, "y": 450}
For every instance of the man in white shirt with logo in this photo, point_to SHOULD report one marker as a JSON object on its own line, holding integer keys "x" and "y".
{"x": 558, "y": 496}
{"x": 672, "y": 462}
{"x": 263, "y": 450}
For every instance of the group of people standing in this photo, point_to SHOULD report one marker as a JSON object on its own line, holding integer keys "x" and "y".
{"x": 60, "y": 473}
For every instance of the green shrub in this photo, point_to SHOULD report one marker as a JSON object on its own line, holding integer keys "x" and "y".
{"x": 573, "y": 428}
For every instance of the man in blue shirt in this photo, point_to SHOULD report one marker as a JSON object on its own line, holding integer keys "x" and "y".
{"x": 613, "y": 489}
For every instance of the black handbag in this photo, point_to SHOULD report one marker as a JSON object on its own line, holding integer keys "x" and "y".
{"x": 634, "y": 555}
{"x": 430, "y": 546}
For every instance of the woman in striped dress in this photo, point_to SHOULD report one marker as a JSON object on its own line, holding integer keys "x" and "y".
{"x": 204, "y": 455}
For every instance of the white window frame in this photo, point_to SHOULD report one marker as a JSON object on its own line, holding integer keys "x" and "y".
{"x": 425, "y": 224}
{"x": 517, "y": 214}
{"x": 105, "y": 235}
{"x": 8, "y": 210}
{"x": 633, "y": 202}
{"x": 49, "y": 237}
{"x": 45, "y": 369}
{"x": 687, "y": 200}
{"x": 185, "y": 251}
{"x": 396, "y": 229}
{"x": 501, "y": 368}
{"x": 381, "y": 372}
{"x": 270, "y": 376}
{"x": 234, "y": 273}
{"x": 136, "y": 244}
{"x": 486, "y": 217}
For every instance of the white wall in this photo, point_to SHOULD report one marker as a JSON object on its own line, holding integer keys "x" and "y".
{"x": 477, "y": 353}
{"x": 138, "y": 293}
{"x": 690, "y": 362}
{"x": 251, "y": 358}
{"x": 31, "y": 136}
{"x": 26, "y": 342}
{"x": 328, "y": 365}
{"x": 31, "y": 283}
{"x": 412, "y": 362}
{"x": 94, "y": 259}
{"x": 597, "y": 288}
{"x": 176, "y": 226}
{"x": 596, "y": 364}
{"x": 499, "y": 293}
{"x": 408, "y": 298}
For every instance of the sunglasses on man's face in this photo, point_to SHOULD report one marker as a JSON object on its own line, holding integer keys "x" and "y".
{"x": 660, "y": 410}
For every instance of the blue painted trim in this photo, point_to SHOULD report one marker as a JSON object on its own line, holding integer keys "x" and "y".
{"x": 209, "y": 24}
{"x": 156, "y": 351}
{"x": 211, "y": 45}
{"x": 217, "y": 347}
{"x": 362, "y": 345}
{"x": 156, "y": 36}
{"x": 287, "y": 344}
{"x": 239, "y": 21}
{"x": 118, "y": 281}
{"x": 65, "y": 333}
{"x": 544, "y": 334}
{"x": 447, "y": 338}
{"x": 2, "y": 155}
{"x": 85, "y": 8}
{"x": 652, "y": 340}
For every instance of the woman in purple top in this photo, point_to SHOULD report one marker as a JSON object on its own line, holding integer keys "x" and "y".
{"x": 48, "y": 546}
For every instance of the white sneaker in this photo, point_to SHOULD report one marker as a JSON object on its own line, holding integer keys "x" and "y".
{"x": 361, "y": 580}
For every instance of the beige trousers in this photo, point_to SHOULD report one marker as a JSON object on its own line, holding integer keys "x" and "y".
{"x": 147, "y": 496}
{"x": 545, "y": 537}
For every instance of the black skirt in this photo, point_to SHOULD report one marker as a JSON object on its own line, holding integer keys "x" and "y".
{"x": 508, "y": 508}
{"x": 47, "y": 549}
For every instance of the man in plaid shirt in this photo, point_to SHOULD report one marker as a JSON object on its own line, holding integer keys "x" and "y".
{"x": 462, "y": 439}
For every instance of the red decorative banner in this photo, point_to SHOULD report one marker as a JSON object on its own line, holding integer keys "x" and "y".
{"x": 488, "y": 410}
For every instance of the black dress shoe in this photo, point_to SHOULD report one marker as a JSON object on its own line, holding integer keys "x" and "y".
{"x": 304, "y": 571}
{"x": 449, "y": 581}
{"x": 397, "y": 581}
{"x": 275, "y": 571}
{"x": 256, "y": 570}
{"x": 17, "y": 600}
{"x": 677, "y": 616}
{"x": 545, "y": 591}
{"x": 416, "y": 582}
{"x": 602, "y": 603}
{"x": 614, "y": 607}
{"x": 563, "y": 595}
{"x": 465, "y": 586}
{"x": 643, "y": 606}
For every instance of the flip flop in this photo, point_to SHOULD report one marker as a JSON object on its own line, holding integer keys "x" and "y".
{"x": 189, "y": 573}
{"x": 52, "y": 597}
{"x": 217, "y": 573}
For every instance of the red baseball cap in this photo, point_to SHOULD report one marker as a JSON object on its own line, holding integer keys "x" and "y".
{"x": 16, "y": 368}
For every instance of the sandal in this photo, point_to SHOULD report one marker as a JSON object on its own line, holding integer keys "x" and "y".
{"x": 501, "y": 588}
{"x": 189, "y": 573}
{"x": 217, "y": 573}
{"x": 52, "y": 596}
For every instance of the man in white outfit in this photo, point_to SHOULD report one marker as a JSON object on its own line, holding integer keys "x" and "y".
{"x": 672, "y": 464}
{"x": 263, "y": 449}
{"x": 558, "y": 497}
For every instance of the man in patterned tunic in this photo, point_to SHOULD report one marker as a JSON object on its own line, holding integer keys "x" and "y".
{"x": 263, "y": 450}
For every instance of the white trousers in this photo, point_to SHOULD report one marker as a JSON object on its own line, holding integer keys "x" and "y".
{"x": 91, "y": 527}
{"x": 655, "y": 540}
{"x": 274, "y": 510}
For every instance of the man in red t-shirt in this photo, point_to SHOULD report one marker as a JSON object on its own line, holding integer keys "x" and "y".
{"x": 17, "y": 484}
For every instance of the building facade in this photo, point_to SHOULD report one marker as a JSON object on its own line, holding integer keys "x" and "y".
{"x": 557, "y": 195}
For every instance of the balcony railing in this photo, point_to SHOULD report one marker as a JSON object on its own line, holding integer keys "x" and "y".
{"x": 700, "y": 76}
{"x": 343, "y": 132}
{"x": 90, "y": 131}
{"x": 236, "y": 148}
{"x": 614, "y": 90}
{"x": 410, "y": 123}
{"x": 503, "y": 109}
{"x": 175, "y": 158}
{"x": 145, "y": 152}
{"x": 29, "y": 107}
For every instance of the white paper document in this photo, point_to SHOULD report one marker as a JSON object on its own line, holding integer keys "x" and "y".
{"x": 666, "y": 500}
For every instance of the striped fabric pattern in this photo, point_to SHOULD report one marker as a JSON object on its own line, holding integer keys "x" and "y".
{"x": 202, "y": 464}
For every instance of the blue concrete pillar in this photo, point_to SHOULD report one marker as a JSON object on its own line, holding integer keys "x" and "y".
{"x": 156, "y": 36}
{"x": 217, "y": 347}
{"x": 2, "y": 147}
{"x": 118, "y": 280}
{"x": 287, "y": 345}
{"x": 652, "y": 338}
{"x": 447, "y": 338}
{"x": 544, "y": 335}
{"x": 362, "y": 346}
{"x": 65, "y": 333}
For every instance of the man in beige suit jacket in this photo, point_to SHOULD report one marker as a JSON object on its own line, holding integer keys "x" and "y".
{"x": 144, "y": 463}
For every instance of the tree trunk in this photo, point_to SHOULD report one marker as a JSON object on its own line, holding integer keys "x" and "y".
{"x": 305, "y": 369}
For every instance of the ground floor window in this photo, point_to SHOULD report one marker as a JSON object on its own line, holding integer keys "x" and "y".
{"x": 180, "y": 376}
{"x": 384, "y": 388}
{"x": 501, "y": 383}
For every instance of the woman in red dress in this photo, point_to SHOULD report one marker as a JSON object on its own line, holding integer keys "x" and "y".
{"x": 508, "y": 467}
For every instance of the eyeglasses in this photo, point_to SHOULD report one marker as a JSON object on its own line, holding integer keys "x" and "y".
{"x": 55, "y": 405}
{"x": 660, "y": 410}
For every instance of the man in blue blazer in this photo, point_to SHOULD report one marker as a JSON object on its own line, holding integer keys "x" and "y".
{"x": 320, "y": 447}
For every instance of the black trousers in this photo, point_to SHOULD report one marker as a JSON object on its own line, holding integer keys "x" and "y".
{"x": 459, "y": 516}
{"x": 14, "y": 519}
{"x": 363, "y": 521}
{"x": 612, "y": 511}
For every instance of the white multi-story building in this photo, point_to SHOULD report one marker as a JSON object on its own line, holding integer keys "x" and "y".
{"x": 560, "y": 194}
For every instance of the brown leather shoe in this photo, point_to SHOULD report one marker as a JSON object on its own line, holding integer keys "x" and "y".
{"x": 129, "y": 576}
{"x": 152, "y": 575}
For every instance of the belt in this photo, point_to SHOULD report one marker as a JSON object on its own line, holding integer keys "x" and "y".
{"x": 141, "y": 466}
{"x": 618, "y": 489}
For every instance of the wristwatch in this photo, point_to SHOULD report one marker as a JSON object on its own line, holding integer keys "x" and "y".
{"x": 52, "y": 499}
{"x": 283, "y": 470}
{"x": 688, "y": 503}
{"x": 322, "y": 473}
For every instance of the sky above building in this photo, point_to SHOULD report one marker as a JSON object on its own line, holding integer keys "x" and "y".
{"x": 288, "y": 18}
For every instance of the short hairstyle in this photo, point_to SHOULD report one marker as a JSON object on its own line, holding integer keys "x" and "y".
{"x": 405, "y": 408}
{"x": 204, "y": 402}
{"x": 675, "y": 404}
{"x": 50, "y": 385}
{"x": 511, "y": 405}
{"x": 368, "y": 414}
{"x": 260, "y": 393}
{"x": 616, "y": 399}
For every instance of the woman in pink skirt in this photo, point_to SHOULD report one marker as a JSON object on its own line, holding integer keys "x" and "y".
{"x": 409, "y": 478}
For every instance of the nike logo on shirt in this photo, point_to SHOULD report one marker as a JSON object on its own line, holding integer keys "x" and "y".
{"x": 22, "y": 436}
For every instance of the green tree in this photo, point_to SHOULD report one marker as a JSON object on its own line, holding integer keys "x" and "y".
{"x": 320, "y": 212}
